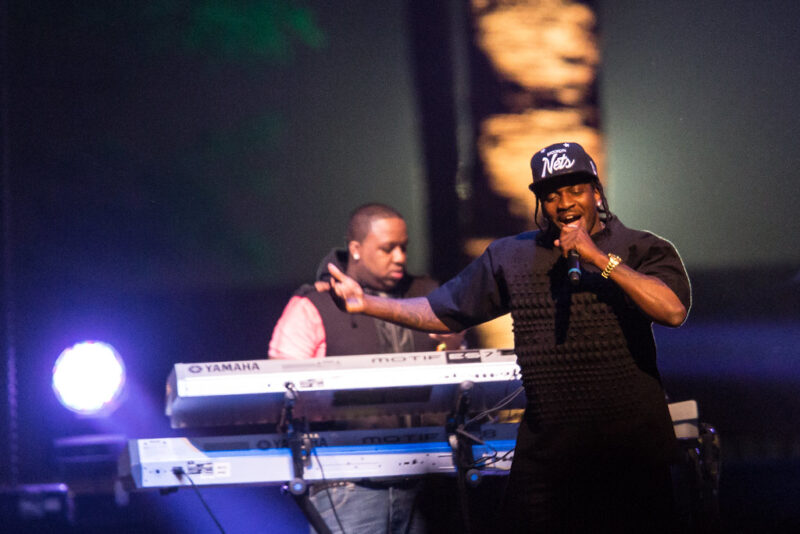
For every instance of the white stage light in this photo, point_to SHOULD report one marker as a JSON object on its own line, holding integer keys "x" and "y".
{"x": 89, "y": 378}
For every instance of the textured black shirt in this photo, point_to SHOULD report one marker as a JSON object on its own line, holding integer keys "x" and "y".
{"x": 587, "y": 353}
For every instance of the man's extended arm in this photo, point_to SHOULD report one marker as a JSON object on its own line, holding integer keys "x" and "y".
{"x": 413, "y": 313}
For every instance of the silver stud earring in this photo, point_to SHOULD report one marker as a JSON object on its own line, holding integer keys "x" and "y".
{"x": 356, "y": 257}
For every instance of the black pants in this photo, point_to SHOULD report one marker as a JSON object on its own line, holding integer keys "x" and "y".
{"x": 579, "y": 480}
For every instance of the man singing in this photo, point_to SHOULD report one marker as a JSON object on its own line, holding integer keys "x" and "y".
{"x": 596, "y": 441}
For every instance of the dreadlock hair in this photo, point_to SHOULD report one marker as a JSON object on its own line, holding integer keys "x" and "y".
{"x": 546, "y": 225}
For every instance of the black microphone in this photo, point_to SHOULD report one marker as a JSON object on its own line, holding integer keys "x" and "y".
{"x": 574, "y": 267}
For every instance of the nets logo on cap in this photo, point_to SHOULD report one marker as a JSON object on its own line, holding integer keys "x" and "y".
{"x": 556, "y": 160}
{"x": 561, "y": 159}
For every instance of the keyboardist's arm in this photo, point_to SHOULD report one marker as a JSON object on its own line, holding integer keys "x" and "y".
{"x": 299, "y": 333}
{"x": 414, "y": 313}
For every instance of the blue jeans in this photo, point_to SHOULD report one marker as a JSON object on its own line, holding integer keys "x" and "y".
{"x": 370, "y": 510}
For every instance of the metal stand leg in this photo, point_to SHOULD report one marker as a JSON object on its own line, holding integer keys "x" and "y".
{"x": 300, "y": 448}
{"x": 461, "y": 444}
{"x": 311, "y": 513}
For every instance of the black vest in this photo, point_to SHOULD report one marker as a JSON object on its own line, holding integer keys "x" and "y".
{"x": 347, "y": 334}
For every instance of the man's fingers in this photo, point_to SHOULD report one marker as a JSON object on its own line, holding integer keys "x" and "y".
{"x": 322, "y": 286}
{"x": 335, "y": 272}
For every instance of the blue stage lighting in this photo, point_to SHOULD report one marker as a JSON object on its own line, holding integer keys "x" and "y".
{"x": 89, "y": 378}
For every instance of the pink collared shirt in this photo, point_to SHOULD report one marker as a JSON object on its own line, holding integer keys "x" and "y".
{"x": 299, "y": 333}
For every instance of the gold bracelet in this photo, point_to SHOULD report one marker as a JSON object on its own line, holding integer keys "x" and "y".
{"x": 613, "y": 261}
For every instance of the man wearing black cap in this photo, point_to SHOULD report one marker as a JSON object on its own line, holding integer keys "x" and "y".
{"x": 595, "y": 444}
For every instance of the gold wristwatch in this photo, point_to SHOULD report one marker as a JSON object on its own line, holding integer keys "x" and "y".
{"x": 613, "y": 261}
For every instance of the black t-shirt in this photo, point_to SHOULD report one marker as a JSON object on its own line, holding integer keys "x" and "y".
{"x": 480, "y": 292}
{"x": 587, "y": 353}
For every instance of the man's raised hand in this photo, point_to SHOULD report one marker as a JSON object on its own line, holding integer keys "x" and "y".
{"x": 347, "y": 289}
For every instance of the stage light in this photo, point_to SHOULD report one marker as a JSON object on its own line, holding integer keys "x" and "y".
{"x": 89, "y": 378}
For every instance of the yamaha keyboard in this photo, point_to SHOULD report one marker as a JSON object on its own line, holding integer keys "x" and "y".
{"x": 265, "y": 459}
{"x": 338, "y": 388}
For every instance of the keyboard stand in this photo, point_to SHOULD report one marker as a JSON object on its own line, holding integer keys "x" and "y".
{"x": 300, "y": 447}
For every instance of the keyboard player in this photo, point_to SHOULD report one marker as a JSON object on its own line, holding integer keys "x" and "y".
{"x": 312, "y": 326}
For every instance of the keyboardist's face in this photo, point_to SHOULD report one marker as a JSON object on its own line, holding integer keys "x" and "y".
{"x": 382, "y": 254}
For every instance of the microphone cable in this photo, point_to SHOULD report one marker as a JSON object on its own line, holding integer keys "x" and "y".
{"x": 179, "y": 472}
{"x": 327, "y": 490}
{"x": 502, "y": 403}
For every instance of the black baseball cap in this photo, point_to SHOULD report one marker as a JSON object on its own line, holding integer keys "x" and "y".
{"x": 561, "y": 164}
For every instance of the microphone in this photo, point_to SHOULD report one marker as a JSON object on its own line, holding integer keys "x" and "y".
{"x": 574, "y": 267}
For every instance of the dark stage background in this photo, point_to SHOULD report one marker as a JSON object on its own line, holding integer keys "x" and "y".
{"x": 173, "y": 170}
